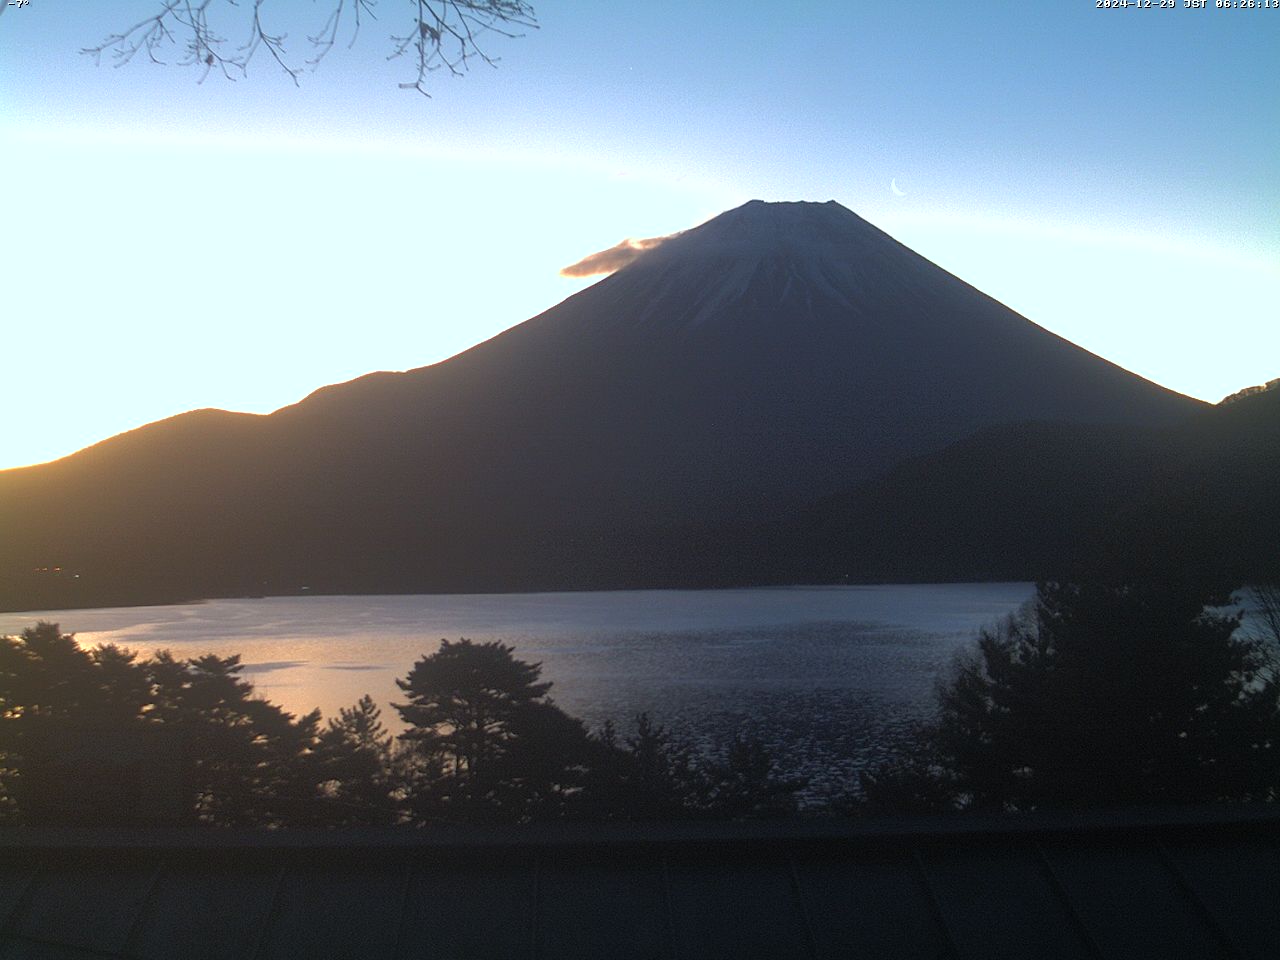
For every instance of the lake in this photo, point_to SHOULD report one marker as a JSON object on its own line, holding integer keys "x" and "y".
{"x": 829, "y": 677}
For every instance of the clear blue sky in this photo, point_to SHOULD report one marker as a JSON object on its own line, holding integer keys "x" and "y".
{"x": 1112, "y": 174}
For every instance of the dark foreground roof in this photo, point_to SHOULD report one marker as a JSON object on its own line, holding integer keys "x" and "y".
{"x": 1198, "y": 884}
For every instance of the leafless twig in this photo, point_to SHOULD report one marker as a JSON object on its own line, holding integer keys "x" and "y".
{"x": 324, "y": 40}
{"x": 445, "y": 31}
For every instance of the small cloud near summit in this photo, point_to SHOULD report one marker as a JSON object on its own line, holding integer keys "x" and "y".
{"x": 615, "y": 258}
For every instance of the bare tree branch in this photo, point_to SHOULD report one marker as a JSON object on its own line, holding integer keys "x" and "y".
{"x": 445, "y": 32}
{"x": 441, "y": 34}
{"x": 324, "y": 40}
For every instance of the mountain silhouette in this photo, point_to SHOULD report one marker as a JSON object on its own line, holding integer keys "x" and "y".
{"x": 1057, "y": 501}
{"x": 776, "y": 355}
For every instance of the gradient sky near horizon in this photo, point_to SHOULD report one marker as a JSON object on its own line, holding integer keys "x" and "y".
{"x": 1114, "y": 175}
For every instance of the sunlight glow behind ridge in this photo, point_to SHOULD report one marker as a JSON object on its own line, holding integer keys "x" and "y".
{"x": 343, "y": 286}
{"x": 238, "y": 245}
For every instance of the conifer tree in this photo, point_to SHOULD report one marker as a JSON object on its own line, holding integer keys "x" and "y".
{"x": 488, "y": 743}
{"x": 1099, "y": 695}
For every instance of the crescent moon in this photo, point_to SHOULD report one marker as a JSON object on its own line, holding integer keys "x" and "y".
{"x": 893, "y": 185}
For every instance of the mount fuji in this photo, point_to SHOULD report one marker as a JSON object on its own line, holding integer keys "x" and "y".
{"x": 774, "y": 356}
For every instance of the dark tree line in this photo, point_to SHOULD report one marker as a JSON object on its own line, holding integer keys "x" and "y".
{"x": 1092, "y": 696}
{"x": 99, "y": 736}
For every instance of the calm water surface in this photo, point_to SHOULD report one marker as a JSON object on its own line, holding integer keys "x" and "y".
{"x": 828, "y": 676}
